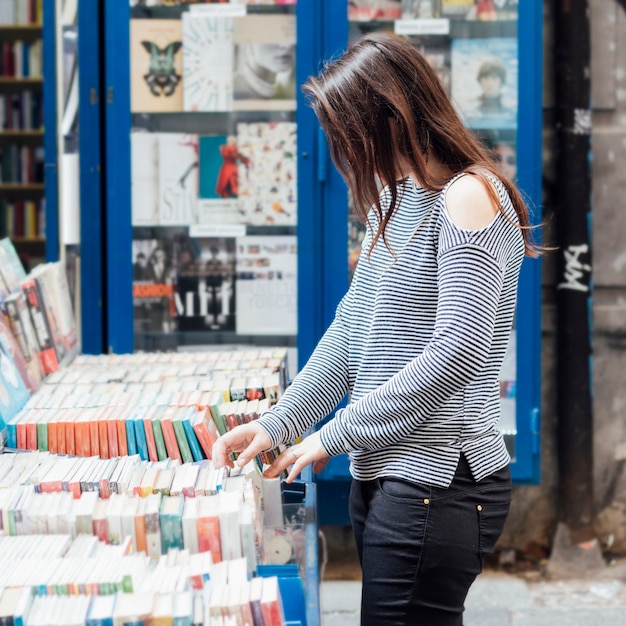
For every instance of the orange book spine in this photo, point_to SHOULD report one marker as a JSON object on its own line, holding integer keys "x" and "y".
{"x": 31, "y": 436}
{"x": 101, "y": 530}
{"x": 53, "y": 437}
{"x": 53, "y": 486}
{"x": 140, "y": 533}
{"x": 70, "y": 439}
{"x": 21, "y": 436}
{"x": 209, "y": 537}
{"x": 104, "y": 488}
{"x": 103, "y": 438}
{"x": 171, "y": 445}
{"x": 61, "y": 437}
{"x": 121, "y": 436}
{"x": 112, "y": 438}
{"x": 204, "y": 438}
{"x": 74, "y": 487}
{"x": 152, "y": 451}
{"x": 94, "y": 437}
{"x": 81, "y": 436}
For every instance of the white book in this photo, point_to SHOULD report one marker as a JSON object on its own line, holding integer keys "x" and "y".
{"x": 144, "y": 178}
{"x": 230, "y": 535}
{"x": 190, "y": 525}
{"x": 208, "y": 63}
{"x": 178, "y": 179}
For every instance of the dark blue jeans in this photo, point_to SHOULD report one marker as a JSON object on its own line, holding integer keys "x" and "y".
{"x": 421, "y": 547}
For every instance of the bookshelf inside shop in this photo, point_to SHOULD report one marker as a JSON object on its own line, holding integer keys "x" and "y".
{"x": 21, "y": 129}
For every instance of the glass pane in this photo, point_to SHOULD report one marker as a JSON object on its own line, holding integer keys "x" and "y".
{"x": 472, "y": 45}
{"x": 214, "y": 174}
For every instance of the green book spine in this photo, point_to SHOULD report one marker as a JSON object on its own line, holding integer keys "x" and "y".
{"x": 183, "y": 444}
{"x": 42, "y": 436}
{"x": 158, "y": 439}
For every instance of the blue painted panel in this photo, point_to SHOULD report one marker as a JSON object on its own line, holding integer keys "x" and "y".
{"x": 51, "y": 150}
{"x": 119, "y": 236}
{"x": 90, "y": 184}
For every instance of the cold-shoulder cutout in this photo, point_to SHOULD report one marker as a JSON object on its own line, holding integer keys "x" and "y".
{"x": 468, "y": 203}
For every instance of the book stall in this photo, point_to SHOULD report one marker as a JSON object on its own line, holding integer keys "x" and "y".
{"x": 111, "y": 509}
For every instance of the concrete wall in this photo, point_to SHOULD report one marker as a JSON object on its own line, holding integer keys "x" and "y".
{"x": 531, "y": 525}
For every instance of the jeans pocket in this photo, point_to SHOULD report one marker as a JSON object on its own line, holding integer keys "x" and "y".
{"x": 491, "y": 518}
{"x": 403, "y": 490}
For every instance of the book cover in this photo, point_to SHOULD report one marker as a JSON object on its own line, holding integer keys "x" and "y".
{"x": 209, "y": 527}
{"x": 22, "y": 328}
{"x": 41, "y": 324}
{"x": 265, "y": 61}
{"x": 181, "y": 438}
{"x": 153, "y": 289}
{"x": 10, "y": 265}
{"x": 266, "y": 286}
{"x": 208, "y": 62}
{"x": 14, "y": 349}
{"x": 420, "y": 9}
{"x": 159, "y": 441}
{"x": 369, "y": 10}
{"x": 171, "y": 514}
{"x": 267, "y": 173}
{"x": 192, "y": 439}
{"x": 458, "y": 9}
{"x": 13, "y": 391}
{"x": 144, "y": 178}
{"x": 140, "y": 436}
{"x": 153, "y": 525}
{"x": 171, "y": 443}
{"x": 205, "y": 285}
{"x": 156, "y": 66}
{"x": 484, "y": 81}
{"x": 178, "y": 179}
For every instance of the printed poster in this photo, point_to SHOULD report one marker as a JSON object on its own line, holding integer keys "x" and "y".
{"x": 484, "y": 81}
{"x": 267, "y": 285}
{"x": 156, "y": 66}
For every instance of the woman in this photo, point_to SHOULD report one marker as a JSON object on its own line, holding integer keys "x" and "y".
{"x": 417, "y": 341}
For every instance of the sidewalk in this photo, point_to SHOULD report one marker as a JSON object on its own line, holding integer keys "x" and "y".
{"x": 505, "y": 600}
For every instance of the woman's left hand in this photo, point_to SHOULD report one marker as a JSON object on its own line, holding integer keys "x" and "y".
{"x": 309, "y": 450}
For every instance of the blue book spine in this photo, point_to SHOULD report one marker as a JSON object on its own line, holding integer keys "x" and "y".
{"x": 140, "y": 436}
{"x": 194, "y": 444}
{"x": 130, "y": 437}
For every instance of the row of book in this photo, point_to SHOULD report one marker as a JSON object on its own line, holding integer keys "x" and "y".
{"x": 19, "y": 59}
{"x": 171, "y": 3}
{"x": 21, "y": 164}
{"x": 14, "y": 12}
{"x": 22, "y": 218}
{"x": 485, "y": 10}
{"x": 85, "y": 582}
{"x": 21, "y": 111}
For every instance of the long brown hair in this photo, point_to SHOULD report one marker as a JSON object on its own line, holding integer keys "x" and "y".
{"x": 383, "y": 80}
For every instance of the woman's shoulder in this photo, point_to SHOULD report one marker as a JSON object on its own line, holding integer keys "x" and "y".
{"x": 468, "y": 201}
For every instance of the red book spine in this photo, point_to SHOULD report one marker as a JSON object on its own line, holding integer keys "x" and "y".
{"x": 112, "y": 438}
{"x": 152, "y": 451}
{"x": 103, "y": 438}
{"x": 94, "y": 437}
{"x": 171, "y": 445}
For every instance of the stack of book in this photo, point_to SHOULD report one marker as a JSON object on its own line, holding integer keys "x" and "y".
{"x": 85, "y": 582}
{"x": 157, "y": 405}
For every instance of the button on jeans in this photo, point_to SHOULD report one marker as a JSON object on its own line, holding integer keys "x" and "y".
{"x": 421, "y": 547}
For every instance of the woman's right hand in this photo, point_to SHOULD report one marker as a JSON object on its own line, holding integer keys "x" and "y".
{"x": 248, "y": 440}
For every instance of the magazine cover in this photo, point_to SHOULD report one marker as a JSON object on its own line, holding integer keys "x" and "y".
{"x": 22, "y": 328}
{"x": 156, "y": 66}
{"x": 13, "y": 391}
{"x": 265, "y": 63}
{"x": 484, "y": 81}
{"x": 153, "y": 291}
{"x": 267, "y": 285}
{"x": 14, "y": 350}
{"x": 458, "y": 9}
{"x": 219, "y": 180}
{"x": 177, "y": 178}
{"x": 10, "y": 265}
{"x": 267, "y": 173}
{"x": 367, "y": 10}
{"x": 205, "y": 284}
{"x": 208, "y": 61}
{"x": 144, "y": 150}
{"x": 420, "y": 9}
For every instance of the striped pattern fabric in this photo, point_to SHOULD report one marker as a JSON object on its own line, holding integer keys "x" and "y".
{"x": 417, "y": 342}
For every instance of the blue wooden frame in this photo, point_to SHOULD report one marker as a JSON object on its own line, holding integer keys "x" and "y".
{"x": 119, "y": 235}
{"x": 89, "y": 122}
{"x": 333, "y": 481}
{"x": 51, "y": 148}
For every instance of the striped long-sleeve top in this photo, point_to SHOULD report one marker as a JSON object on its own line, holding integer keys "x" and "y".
{"x": 418, "y": 342}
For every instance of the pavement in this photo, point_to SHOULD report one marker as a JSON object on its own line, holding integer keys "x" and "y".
{"x": 588, "y": 593}
{"x": 498, "y": 599}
